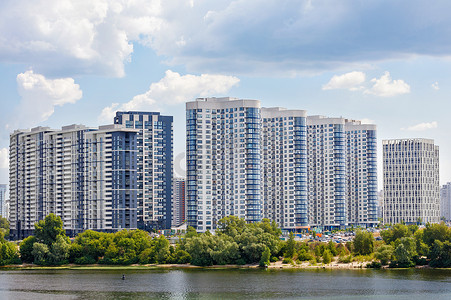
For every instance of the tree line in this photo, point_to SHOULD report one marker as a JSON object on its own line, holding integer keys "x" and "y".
{"x": 234, "y": 242}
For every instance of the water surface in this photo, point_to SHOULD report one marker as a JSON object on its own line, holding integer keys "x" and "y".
{"x": 226, "y": 284}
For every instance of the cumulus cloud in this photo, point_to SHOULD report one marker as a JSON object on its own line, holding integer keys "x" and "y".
{"x": 435, "y": 86}
{"x": 173, "y": 89}
{"x": 84, "y": 36}
{"x": 239, "y": 36}
{"x": 40, "y": 96}
{"x": 350, "y": 81}
{"x": 422, "y": 126}
{"x": 386, "y": 87}
{"x": 4, "y": 158}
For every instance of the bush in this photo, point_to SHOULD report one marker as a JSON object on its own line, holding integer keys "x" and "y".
{"x": 274, "y": 259}
{"x": 85, "y": 260}
{"x": 374, "y": 265}
{"x": 345, "y": 259}
{"x": 287, "y": 260}
{"x": 327, "y": 256}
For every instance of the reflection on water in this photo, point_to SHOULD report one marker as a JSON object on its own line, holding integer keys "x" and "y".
{"x": 226, "y": 284}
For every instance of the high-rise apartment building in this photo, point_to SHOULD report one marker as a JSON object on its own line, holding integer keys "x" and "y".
{"x": 3, "y": 212}
{"x": 178, "y": 202}
{"x": 361, "y": 173}
{"x": 445, "y": 201}
{"x": 342, "y": 172}
{"x": 284, "y": 167}
{"x": 308, "y": 171}
{"x": 411, "y": 181}
{"x": 85, "y": 176}
{"x": 155, "y": 152}
{"x": 223, "y": 161}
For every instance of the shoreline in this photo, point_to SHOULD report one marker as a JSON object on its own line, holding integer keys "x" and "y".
{"x": 274, "y": 266}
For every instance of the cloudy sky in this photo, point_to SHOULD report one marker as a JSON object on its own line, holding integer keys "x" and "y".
{"x": 78, "y": 61}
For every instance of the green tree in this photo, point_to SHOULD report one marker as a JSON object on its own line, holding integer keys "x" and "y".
{"x": 8, "y": 253}
{"x": 231, "y": 226}
{"x": 40, "y": 253}
{"x": 363, "y": 243}
{"x": 384, "y": 253}
{"x": 434, "y": 232}
{"x": 59, "y": 251}
{"x": 405, "y": 251}
{"x": 26, "y": 249}
{"x": 47, "y": 230}
{"x": 4, "y": 226}
{"x": 327, "y": 256}
{"x": 396, "y": 232}
{"x": 265, "y": 258}
{"x": 199, "y": 249}
{"x": 441, "y": 254}
{"x": 290, "y": 246}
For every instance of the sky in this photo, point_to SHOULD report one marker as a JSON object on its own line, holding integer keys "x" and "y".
{"x": 68, "y": 62}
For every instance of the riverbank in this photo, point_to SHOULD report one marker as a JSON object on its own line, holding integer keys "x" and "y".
{"x": 275, "y": 265}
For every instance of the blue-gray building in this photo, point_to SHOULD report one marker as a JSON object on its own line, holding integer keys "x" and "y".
{"x": 154, "y": 166}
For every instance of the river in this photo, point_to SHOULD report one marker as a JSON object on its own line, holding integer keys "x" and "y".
{"x": 225, "y": 284}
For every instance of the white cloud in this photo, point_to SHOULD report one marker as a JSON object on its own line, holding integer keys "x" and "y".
{"x": 240, "y": 36}
{"x": 350, "y": 81}
{"x": 4, "y": 158}
{"x": 422, "y": 126}
{"x": 173, "y": 89}
{"x": 73, "y": 37}
{"x": 40, "y": 95}
{"x": 435, "y": 86}
{"x": 386, "y": 87}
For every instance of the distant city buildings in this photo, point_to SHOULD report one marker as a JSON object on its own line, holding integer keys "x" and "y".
{"x": 106, "y": 179}
{"x": 178, "y": 202}
{"x": 445, "y": 201}
{"x": 3, "y": 211}
{"x": 411, "y": 181}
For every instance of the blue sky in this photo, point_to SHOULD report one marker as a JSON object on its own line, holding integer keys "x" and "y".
{"x": 384, "y": 62}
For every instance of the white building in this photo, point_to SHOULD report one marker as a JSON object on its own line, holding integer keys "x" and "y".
{"x": 284, "y": 168}
{"x": 342, "y": 172}
{"x": 223, "y": 161}
{"x": 85, "y": 176}
{"x": 411, "y": 181}
{"x": 445, "y": 201}
{"x": 361, "y": 173}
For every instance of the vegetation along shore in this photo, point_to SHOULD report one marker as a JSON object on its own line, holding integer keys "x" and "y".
{"x": 235, "y": 244}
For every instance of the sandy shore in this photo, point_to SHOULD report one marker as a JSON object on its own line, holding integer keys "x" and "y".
{"x": 275, "y": 265}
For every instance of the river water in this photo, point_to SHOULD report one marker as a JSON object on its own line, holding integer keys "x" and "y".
{"x": 226, "y": 284}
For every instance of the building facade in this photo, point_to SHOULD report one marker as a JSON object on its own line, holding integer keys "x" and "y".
{"x": 178, "y": 202}
{"x": 445, "y": 202}
{"x": 85, "y": 176}
{"x": 308, "y": 171}
{"x": 361, "y": 173}
{"x": 155, "y": 166}
{"x": 342, "y": 172}
{"x": 284, "y": 167}
{"x": 223, "y": 161}
{"x": 3, "y": 206}
{"x": 411, "y": 181}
